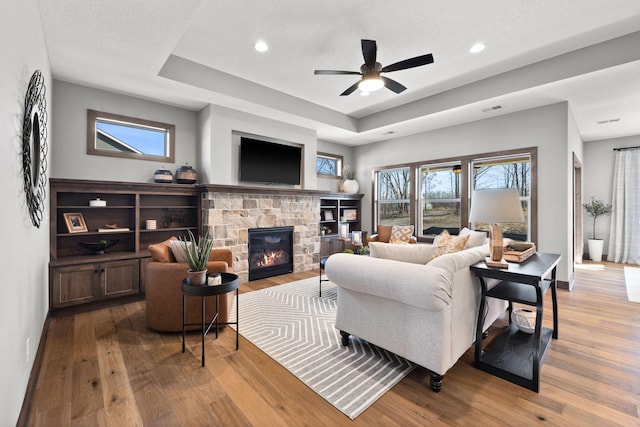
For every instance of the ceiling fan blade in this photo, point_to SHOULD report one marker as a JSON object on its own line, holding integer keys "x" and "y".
{"x": 335, "y": 72}
{"x": 351, "y": 89}
{"x": 409, "y": 63}
{"x": 393, "y": 85}
{"x": 369, "y": 52}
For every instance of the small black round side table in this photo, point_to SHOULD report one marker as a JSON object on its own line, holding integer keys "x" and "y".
{"x": 229, "y": 283}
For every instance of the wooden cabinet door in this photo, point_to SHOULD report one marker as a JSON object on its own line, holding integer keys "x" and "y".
{"x": 120, "y": 278}
{"x": 74, "y": 284}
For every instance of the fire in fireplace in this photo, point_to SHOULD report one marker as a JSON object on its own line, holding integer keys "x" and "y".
{"x": 270, "y": 252}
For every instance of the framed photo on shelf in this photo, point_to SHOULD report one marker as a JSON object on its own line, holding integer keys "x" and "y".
{"x": 328, "y": 215}
{"x": 350, "y": 214}
{"x": 75, "y": 223}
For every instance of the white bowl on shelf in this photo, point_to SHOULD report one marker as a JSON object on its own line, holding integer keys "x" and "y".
{"x": 524, "y": 319}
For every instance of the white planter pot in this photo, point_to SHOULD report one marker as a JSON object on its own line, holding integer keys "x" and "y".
{"x": 350, "y": 186}
{"x": 595, "y": 249}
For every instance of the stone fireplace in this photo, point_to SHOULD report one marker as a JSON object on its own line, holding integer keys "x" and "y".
{"x": 229, "y": 212}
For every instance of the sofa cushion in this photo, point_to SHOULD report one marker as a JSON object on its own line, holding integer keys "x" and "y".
{"x": 476, "y": 238}
{"x": 401, "y": 233}
{"x": 384, "y": 233}
{"x": 177, "y": 249}
{"x": 415, "y": 254}
{"x": 451, "y": 243}
{"x": 161, "y": 252}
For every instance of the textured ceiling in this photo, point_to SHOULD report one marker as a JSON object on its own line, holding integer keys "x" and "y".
{"x": 194, "y": 52}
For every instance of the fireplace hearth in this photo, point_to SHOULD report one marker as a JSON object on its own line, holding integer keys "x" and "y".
{"x": 270, "y": 252}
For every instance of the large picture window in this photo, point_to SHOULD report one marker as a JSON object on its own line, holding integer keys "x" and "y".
{"x": 506, "y": 172}
{"x": 393, "y": 196}
{"x": 436, "y": 195}
{"x": 439, "y": 201}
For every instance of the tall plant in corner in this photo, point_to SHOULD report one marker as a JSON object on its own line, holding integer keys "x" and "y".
{"x": 596, "y": 208}
{"x": 197, "y": 252}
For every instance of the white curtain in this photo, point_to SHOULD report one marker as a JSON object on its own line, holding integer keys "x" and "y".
{"x": 624, "y": 234}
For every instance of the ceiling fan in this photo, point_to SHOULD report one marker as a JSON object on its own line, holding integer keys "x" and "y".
{"x": 370, "y": 70}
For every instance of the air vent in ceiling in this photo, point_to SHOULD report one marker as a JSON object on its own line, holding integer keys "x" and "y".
{"x": 494, "y": 108}
{"x": 604, "y": 122}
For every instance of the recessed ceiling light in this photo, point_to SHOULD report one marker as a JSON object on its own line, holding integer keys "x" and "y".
{"x": 261, "y": 46}
{"x": 478, "y": 47}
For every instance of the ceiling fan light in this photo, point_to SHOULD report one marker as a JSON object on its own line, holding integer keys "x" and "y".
{"x": 371, "y": 84}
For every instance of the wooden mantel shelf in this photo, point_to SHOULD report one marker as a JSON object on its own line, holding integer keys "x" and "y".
{"x": 215, "y": 188}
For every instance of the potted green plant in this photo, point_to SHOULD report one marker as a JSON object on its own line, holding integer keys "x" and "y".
{"x": 596, "y": 208}
{"x": 324, "y": 230}
{"x": 197, "y": 252}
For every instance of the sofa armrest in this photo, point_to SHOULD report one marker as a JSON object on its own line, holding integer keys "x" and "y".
{"x": 222, "y": 254}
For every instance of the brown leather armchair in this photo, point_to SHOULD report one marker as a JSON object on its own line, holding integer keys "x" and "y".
{"x": 384, "y": 234}
{"x": 163, "y": 290}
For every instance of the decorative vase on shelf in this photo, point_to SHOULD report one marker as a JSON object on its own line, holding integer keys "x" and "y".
{"x": 350, "y": 186}
{"x": 197, "y": 278}
{"x": 163, "y": 176}
{"x": 186, "y": 175}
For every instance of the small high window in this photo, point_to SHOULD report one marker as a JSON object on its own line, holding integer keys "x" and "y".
{"x": 121, "y": 136}
{"x": 328, "y": 165}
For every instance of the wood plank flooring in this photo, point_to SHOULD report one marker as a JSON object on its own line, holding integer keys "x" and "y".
{"x": 104, "y": 368}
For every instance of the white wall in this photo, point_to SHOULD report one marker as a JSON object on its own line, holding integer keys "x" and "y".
{"x": 219, "y": 151}
{"x": 544, "y": 127}
{"x": 70, "y": 159}
{"x": 599, "y": 159}
{"x": 25, "y": 254}
{"x": 333, "y": 184}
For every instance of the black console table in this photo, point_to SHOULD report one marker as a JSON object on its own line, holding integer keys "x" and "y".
{"x": 229, "y": 283}
{"x": 514, "y": 355}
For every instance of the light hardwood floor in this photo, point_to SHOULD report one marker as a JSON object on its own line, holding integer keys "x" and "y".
{"x": 104, "y": 368}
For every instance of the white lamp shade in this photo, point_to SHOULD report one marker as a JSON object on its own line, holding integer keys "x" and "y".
{"x": 496, "y": 205}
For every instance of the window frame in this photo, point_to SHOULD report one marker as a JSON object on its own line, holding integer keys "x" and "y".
{"x": 338, "y": 158}
{"x": 92, "y": 148}
{"x": 465, "y": 184}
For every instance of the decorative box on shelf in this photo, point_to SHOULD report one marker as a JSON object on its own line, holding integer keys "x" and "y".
{"x": 519, "y": 252}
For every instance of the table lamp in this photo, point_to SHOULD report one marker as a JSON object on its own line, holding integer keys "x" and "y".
{"x": 494, "y": 206}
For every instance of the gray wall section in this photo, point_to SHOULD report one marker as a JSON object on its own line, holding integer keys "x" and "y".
{"x": 70, "y": 105}
{"x": 25, "y": 256}
{"x": 544, "y": 127}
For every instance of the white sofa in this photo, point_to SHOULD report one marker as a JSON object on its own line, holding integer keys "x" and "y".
{"x": 426, "y": 313}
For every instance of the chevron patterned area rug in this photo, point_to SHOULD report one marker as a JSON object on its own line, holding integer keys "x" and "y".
{"x": 295, "y": 327}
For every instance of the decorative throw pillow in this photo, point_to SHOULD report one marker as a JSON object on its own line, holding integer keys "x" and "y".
{"x": 161, "y": 252}
{"x": 177, "y": 249}
{"x": 451, "y": 243}
{"x": 476, "y": 238}
{"x": 384, "y": 233}
{"x": 401, "y": 233}
{"x": 439, "y": 250}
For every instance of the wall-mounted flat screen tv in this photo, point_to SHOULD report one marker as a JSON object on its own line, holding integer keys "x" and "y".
{"x": 269, "y": 163}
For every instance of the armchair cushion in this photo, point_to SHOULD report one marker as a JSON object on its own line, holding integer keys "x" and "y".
{"x": 384, "y": 233}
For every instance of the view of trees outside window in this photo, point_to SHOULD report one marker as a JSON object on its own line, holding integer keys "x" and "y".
{"x": 440, "y": 189}
{"x": 506, "y": 173}
{"x": 327, "y": 165}
{"x": 439, "y": 197}
{"x": 393, "y": 196}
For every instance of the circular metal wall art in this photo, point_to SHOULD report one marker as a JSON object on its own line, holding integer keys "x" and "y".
{"x": 34, "y": 147}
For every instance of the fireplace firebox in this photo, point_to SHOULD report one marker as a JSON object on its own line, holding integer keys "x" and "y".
{"x": 270, "y": 252}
